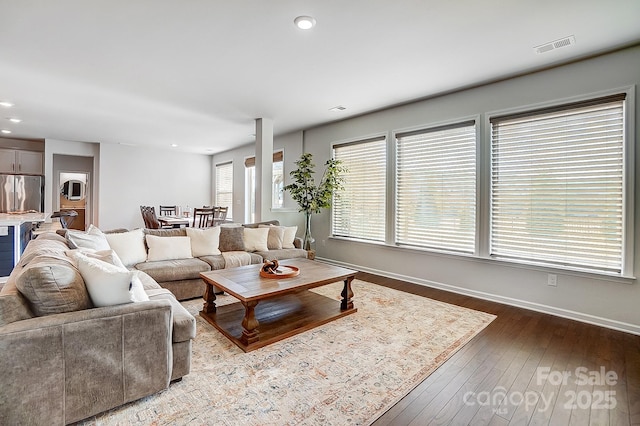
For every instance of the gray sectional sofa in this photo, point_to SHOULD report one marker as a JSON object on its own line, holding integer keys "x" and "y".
{"x": 63, "y": 359}
{"x": 182, "y": 276}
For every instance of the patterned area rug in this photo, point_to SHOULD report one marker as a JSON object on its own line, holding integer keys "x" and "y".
{"x": 349, "y": 371}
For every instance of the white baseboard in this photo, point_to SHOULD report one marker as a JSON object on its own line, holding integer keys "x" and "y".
{"x": 551, "y": 310}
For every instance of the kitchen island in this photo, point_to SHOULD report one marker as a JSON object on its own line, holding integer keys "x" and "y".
{"x": 15, "y": 233}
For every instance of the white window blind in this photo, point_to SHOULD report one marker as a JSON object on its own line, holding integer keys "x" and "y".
{"x": 224, "y": 187}
{"x": 436, "y": 188}
{"x": 359, "y": 211}
{"x": 557, "y": 185}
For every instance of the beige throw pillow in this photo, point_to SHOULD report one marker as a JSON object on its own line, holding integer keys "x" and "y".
{"x": 129, "y": 246}
{"x": 92, "y": 239}
{"x": 289, "y": 236}
{"x": 168, "y": 248}
{"x": 276, "y": 235}
{"x": 204, "y": 242}
{"x": 255, "y": 239}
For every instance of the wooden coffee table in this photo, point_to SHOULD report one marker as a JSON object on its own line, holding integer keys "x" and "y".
{"x": 272, "y": 309}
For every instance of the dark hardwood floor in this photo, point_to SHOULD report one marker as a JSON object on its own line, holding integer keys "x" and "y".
{"x": 525, "y": 368}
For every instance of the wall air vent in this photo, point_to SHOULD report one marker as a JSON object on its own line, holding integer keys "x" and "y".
{"x": 557, "y": 44}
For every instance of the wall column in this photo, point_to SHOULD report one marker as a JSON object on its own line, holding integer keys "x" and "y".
{"x": 264, "y": 167}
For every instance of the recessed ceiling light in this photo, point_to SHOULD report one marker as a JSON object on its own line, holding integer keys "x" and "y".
{"x": 6, "y": 104}
{"x": 337, "y": 108}
{"x": 15, "y": 120}
{"x": 305, "y": 22}
{"x": 173, "y": 145}
{"x": 5, "y": 131}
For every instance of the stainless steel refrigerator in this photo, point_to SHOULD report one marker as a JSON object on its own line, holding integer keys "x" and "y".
{"x": 21, "y": 193}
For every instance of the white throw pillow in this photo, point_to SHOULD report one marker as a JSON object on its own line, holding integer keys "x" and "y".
{"x": 92, "y": 239}
{"x": 289, "y": 236}
{"x": 129, "y": 246}
{"x": 168, "y": 248}
{"x": 106, "y": 284}
{"x": 137, "y": 289}
{"x": 204, "y": 242}
{"x": 108, "y": 256}
{"x": 255, "y": 239}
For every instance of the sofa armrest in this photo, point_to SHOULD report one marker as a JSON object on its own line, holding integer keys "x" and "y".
{"x": 62, "y": 368}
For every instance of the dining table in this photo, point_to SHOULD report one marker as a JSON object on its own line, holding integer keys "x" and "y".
{"x": 174, "y": 221}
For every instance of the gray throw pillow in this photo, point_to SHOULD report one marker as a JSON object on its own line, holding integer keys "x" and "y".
{"x": 231, "y": 238}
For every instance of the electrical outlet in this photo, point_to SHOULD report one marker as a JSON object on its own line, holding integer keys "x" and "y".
{"x": 552, "y": 280}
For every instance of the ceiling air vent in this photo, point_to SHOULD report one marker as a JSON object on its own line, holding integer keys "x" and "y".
{"x": 557, "y": 44}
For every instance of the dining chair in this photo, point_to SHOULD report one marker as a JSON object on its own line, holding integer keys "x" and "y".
{"x": 66, "y": 217}
{"x": 220, "y": 215}
{"x": 149, "y": 217}
{"x": 202, "y": 218}
{"x": 168, "y": 210}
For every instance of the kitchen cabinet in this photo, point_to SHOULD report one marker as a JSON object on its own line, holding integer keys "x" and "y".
{"x": 21, "y": 162}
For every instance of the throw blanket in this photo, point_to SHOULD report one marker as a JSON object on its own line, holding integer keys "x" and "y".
{"x": 236, "y": 258}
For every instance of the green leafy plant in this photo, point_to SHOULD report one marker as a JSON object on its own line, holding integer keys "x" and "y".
{"x": 312, "y": 197}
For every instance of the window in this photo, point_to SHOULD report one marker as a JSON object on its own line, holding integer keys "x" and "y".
{"x": 224, "y": 187}
{"x": 359, "y": 210}
{"x": 277, "y": 184}
{"x": 436, "y": 188}
{"x": 557, "y": 185}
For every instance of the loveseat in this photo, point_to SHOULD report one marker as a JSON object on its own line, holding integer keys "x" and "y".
{"x": 180, "y": 274}
{"x": 62, "y": 358}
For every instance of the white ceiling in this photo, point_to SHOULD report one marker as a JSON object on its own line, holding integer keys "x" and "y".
{"x": 197, "y": 73}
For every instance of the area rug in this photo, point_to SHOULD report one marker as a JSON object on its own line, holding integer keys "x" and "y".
{"x": 347, "y": 372}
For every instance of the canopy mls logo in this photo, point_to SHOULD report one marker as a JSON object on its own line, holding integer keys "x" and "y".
{"x": 500, "y": 399}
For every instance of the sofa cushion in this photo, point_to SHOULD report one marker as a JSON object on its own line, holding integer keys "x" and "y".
{"x": 257, "y": 224}
{"x": 173, "y": 232}
{"x": 204, "y": 242}
{"x": 276, "y": 235}
{"x": 53, "y": 285}
{"x": 174, "y": 270}
{"x": 255, "y": 239}
{"x": 13, "y": 306}
{"x": 42, "y": 246}
{"x": 93, "y": 239}
{"x": 184, "y": 324}
{"x": 167, "y": 248}
{"x": 214, "y": 261}
{"x": 107, "y": 284}
{"x": 231, "y": 238}
{"x": 129, "y": 246}
{"x": 283, "y": 254}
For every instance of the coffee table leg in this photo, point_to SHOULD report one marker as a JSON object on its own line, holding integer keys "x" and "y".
{"x": 249, "y": 324}
{"x": 347, "y": 294}
{"x": 209, "y": 299}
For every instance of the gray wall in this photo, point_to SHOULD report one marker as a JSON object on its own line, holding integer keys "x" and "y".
{"x": 607, "y": 301}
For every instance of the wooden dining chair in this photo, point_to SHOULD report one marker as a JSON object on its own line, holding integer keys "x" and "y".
{"x": 220, "y": 215}
{"x": 202, "y": 218}
{"x": 168, "y": 210}
{"x": 149, "y": 217}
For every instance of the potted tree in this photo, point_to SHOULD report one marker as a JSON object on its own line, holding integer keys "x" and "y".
{"x": 312, "y": 197}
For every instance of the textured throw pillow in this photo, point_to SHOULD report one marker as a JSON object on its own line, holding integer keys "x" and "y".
{"x": 255, "y": 239}
{"x": 92, "y": 239}
{"x": 204, "y": 242}
{"x": 276, "y": 235}
{"x": 129, "y": 246}
{"x": 107, "y": 284}
{"x": 168, "y": 248}
{"x": 231, "y": 238}
{"x": 53, "y": 285}
{"x": 289, "y": 236}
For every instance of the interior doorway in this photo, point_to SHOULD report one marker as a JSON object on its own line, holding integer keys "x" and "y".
{"x": 74, "y": 195}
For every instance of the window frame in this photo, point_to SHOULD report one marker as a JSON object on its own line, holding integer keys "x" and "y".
{"x": 215, "y": 194}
